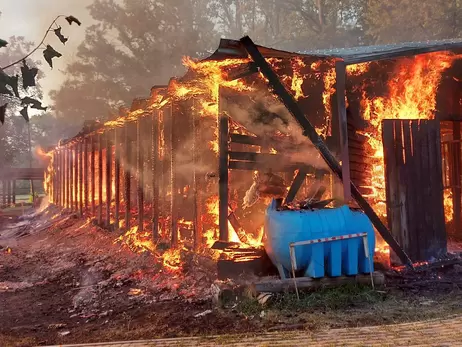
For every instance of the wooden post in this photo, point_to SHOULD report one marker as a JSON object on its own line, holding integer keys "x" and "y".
{"x": 116, "y": 178}
{"x": 62, "y": 173}
{"x": 100, "y": 179}
{"x": 223, "y": 143}
{"x": 196, "y": 159}
{"x": 340, "y": 71}
{"x": 73, "y": 179}
{"x": 155, "y": 174}
{"x": 56, "y": 182}
{"x": 80, "y": 186}
{"x": 93, "y": 174}
{"x": 14, "y": 192}
{"x": 85, "y": 173}
{"x": 8, "y": 192}
{"x": 127, "y": 197}
{"x": 140, "y": 172}
{"x": 3, "y": 193}
{"x": 310, "y": 132}
{"x": 456, "y": 177}
{"x": 108, "y": 178}
{"x": 173, "y": 172}
{"x": 68, "y": 177}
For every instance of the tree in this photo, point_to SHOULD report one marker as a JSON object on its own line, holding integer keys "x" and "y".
{"x": 409, "y": 20}
{"x": 14, "y": 145}
{"x": 133, "y": 46}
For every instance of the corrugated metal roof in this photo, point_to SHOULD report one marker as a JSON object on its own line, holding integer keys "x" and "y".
{"x": 234, "y": 49}
{"x": 370, "y": 53}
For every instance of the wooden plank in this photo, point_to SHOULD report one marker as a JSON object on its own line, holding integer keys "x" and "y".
{"x": 340, "y": 71}
{"x": 295, "y": 186}
{"x": 140, "y": 172}
{"x": 155, "y": 169}
{"x": 223, "y": 167}
{"x": 108, "y": 163}
{"x": 456, "y": 178}
{"x": 174, "y": 207}
{"x": 100, "y": 179}
{"x": 93, "y": 173}
{"x": 117, "y": 145}
{"x": 246, "y": 140}
{"x": 436, "y": 199}
{"x": 85, "y": 173}
{"x": 307, "y": 283}
{"x": 80, "y": 187}
{"x": 127, "y": 174}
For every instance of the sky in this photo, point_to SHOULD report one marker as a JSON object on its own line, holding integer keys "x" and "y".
{"x": 31, "y": 18}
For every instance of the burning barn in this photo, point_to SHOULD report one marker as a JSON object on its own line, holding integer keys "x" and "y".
{"x": 196, "y": 164}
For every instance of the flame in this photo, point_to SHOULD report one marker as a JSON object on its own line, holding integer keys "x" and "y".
{"x": 172, "y": 259}
{"x": 41, "y": 153}
{"x": 411, "y": 95}
{"x": 137, "y": 242}
{"x": 448, "y": 205}
{"x": 298, "y": 78}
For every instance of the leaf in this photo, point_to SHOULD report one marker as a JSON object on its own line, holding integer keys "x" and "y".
{"x": 25, "y": 113}
{"x": 28, "y": 75}
{"x": 60, "y": 36}
{"x": 3, "y": 43}
{"x": 10, "y": 81}
{"x": 49, "y": 53}
{"x": 72, "y": 19}
{"x": 2, "y": 113}
{"x": 33, "y": 102}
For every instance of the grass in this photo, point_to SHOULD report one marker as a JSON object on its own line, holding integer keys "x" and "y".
{"x": 339, "y": 298}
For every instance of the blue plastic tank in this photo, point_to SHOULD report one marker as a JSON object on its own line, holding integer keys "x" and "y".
{"x": 334, "y": 258}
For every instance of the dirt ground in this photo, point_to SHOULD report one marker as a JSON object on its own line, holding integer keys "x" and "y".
{"x": 64, "y": 280}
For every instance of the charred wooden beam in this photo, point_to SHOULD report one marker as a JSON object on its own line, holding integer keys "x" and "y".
{"x": 246, "y": 140}
{"x": 456, "y": 177}
{"x": 241, "y": 72}
{"x": 340, "y": 71}
{"x": 85, "y": 173}
{"x": 62, "y": 171}
{"x": 14, "y": 192}
{"x": 4, "y": 193}
{"x": 108, "y": 179}
{"x": 140, "y": 173}
{"x": 295, "y": 186}
{"x": 100, "y": 179}
{"x": 127, "y": 192}
{"x": 155, "y": 170}
{"x": 93, "y": 174}
{"x": 116, "y": 178}
{"x": 310, "y": 132}
{"x": 196, "y": 216}
{"x": 80, "y": 150}
{"x": 175, "y": 137}
{"x": 8, "y": 192}
{"x": 75, "y": 205}
{"x": 223, "y": 179}
{"x": 68, "y": 184}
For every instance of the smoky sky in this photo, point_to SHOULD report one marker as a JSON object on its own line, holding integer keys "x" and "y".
{"x": 31, "y": 18}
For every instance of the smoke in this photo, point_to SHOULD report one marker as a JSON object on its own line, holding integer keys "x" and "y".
{"x": 265, "y": 116}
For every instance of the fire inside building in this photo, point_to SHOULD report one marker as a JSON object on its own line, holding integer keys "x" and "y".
{"x": 251, "y": 131}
